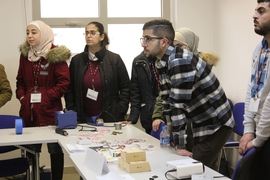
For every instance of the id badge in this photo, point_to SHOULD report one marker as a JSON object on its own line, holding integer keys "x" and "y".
{"x": 254, "y": 104}
{"x": 91, "y": 94}
{"x": 35, "y": 98}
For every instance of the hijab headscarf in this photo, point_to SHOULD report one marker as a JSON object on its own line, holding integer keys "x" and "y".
{"x": 189, "y": 38}
{"x": 46, "y": 40}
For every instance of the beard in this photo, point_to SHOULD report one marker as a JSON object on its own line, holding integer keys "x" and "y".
{"x": 151, "y": 57}
{"x": 264, "y": 28}
{"x": 156, "y": 51}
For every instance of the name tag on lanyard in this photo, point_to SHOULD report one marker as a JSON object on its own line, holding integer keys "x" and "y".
{"x": 254, "y": 104}
{"x": 35, "y": 98}
{"x": 92, "y": 94}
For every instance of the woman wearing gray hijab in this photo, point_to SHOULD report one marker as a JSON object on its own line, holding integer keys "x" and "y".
{"x": 187, "y": 39}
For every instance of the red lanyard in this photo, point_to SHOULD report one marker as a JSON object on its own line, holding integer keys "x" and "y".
{"x": 156, "y": 76}
{"x": 93, "y": 74}
{"x": 36, "y": 69}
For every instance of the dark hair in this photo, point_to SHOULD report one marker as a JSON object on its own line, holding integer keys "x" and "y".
{"x": 161, "y": 28}
{"x": 100, "y": 27}
{"x": 260, "y": 1}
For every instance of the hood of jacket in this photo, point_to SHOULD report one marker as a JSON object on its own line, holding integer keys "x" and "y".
{"x": 210, "y": 58}
{"x": 55, "y": 55}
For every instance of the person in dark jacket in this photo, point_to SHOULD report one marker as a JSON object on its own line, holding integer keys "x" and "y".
{"x": 42, "y": 79}
{"x": 99, "y": 81}
{"x": 144, "y": 90}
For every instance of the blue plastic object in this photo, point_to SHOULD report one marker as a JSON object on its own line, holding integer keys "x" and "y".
{"x": 18, "y": 126}
{"x": 156, "y": 134}
{"x": 66, "y": 120}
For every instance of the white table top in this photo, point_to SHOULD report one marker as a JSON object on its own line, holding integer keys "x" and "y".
{"x": 31, "y": 135}
{"x": 157, "y": 157}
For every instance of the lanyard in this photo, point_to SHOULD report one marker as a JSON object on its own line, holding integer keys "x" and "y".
{"x": 261, "y": 67}
{"x": 93, "y": 74}
{"x": 36, "y": 69}
{"x": 259, "y": 75}
{"x": 156, "y": 76}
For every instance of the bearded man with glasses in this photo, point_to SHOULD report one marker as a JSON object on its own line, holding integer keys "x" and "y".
{"x": 190, "y": 92}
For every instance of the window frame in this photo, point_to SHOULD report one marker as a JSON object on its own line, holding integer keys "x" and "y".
{"x": 82, "y": 22}
{"x": 65, "y": 23}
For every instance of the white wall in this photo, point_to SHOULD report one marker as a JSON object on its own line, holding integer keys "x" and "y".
{"x": 12, "y": 34}
{"x": 234, "y": 40}
{"x": 198, "y": 16}
{"x": 224, "y": 28}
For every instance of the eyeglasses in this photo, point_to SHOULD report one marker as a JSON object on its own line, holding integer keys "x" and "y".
{"x": 92, "y": 33}
{"x": 147, "y": 39}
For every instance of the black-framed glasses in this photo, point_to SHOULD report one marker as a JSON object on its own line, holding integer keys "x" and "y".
{"x": 147, "y": 39}
{"x": 92, "y": 33}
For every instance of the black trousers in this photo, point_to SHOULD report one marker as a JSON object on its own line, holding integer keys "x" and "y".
{"x": 208, "y": 151}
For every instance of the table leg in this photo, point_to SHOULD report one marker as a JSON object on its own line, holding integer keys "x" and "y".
{"x": 37, "y": 166}
{"x": 37, "y": 171}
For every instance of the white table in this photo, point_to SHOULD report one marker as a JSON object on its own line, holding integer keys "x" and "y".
{"x": 156, "y": 157}
{"x": 33, "y": 135}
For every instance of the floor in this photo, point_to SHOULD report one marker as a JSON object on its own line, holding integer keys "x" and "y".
{"x": 71, "y": 176}
{"x": 67, "y": 176}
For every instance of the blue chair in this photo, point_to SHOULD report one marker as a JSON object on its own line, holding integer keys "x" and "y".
{"x": 14, "y": 166}
{"x": 156, "y": 134}
{"x": 242, "y": 167}
{"x": 238, "y": 115}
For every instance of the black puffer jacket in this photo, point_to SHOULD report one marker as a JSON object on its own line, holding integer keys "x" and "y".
{"x": 143, "y": 87}
{"x": 115, "y": 82}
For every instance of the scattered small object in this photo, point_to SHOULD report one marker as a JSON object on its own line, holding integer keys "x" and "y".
{"x": 116, "y": 132}
{"x": 118, "y": 126}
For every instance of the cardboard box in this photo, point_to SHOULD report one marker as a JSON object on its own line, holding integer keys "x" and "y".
{"x": 132, "y": 155}
{"x": 132, "y": 167}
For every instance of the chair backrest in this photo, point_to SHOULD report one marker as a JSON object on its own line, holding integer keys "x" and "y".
{"x": 242, "y": 167}
{"x": 8, "y": 121}
{"x": 238, "y": 115}
{"x": 156, "y": 134}
{"x": 11, "y": 166}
